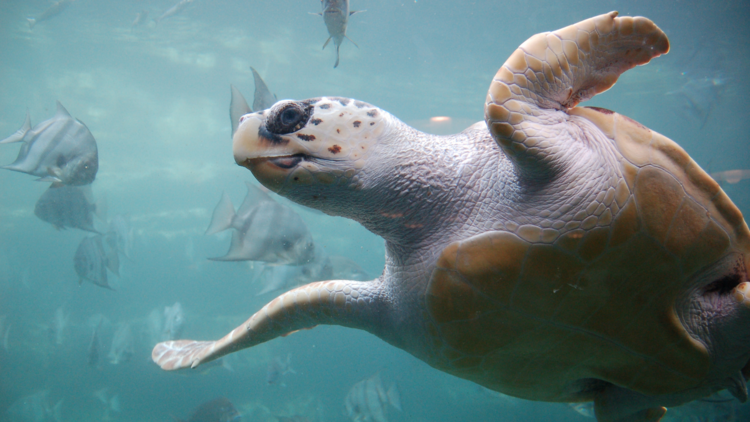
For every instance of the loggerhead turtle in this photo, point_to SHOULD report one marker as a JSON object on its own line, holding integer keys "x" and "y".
{"x": 554, "y": 253}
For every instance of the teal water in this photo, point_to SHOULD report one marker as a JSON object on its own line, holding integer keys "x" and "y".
{"x": 156, "y": 99}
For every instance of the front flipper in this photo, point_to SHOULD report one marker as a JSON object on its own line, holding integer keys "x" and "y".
{"x": 354, "y": 304}
{"x": 552, "y": 72}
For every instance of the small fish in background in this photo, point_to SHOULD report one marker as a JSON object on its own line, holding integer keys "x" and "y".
{"x": 262, "y": 100}
{"x": 67, "y": 207}
{"x": 277, "y": 368}
{"x": 285, "y": 277}
{"x": 295, "y": 418}
{"x": 60, "y": 323}
{"x": 5, "y": 332}
{"x": 344, "y": 268}
{"x": 585, "y": 409}
{"x": 731, "y": 176}
{"x": 93, "y": 357}
{"x": 122, "y": 232}
{"x": 59, "y": 150}
{"x": 174, "y": 319}
{"x": 92, "y": 260}
{"x": 172, "y": 11}
{"x": 140, "y": 19}
{"x": 336, "y": 17}
{"x": 155, "y": 326}
{"x": 264, "y": 230}
{"x": 217, "y": 410}
{"x": 122, "y": 348}
{"x": 111, "y": 403}
{"x": 55, "y": 9}
{"x": 221, "y": 363}
{"x": 36, "y": 407}
{"x": 368, "y": 401}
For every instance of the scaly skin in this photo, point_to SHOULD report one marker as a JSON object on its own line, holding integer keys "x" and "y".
{"x": 565, "y": 254}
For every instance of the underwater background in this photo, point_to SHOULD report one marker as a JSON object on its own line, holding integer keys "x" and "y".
{"x": 156, "y": 99}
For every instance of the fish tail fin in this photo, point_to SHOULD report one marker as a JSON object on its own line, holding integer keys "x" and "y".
{"x": 335, "y": 65}
{"x": 394, "y": 397}
{"x": 326, "y": 43}
{"x": 222, "y": 217}
{"x": 355, "y": 44}
{"x": 20, "y": 133}
{"x": 32, "y": 22}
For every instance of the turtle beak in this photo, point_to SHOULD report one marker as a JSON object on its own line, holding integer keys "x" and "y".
{"x": 270, "y": 158}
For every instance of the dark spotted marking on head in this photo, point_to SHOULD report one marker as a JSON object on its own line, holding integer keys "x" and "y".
{"x": 341, "y": 100}
{"x": 372, "y": 123}
{"x": 372, "y": 113}
{"x": 307, "y": 138}
{"x": 360, "y": 104}
{"x": 357, "y": 123}
{"x": 316, "y": 121}
{"x": 325, "y": 106}
{"x": 338, "y": 130}
{"x": 335, "y": 149}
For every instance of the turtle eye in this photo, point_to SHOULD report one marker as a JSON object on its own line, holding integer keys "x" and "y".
{"x": 288, "y": 117}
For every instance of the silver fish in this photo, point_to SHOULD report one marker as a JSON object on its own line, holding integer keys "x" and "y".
{"x": 174, "y": 10}
{"x": 122, "y": 345}
{"x": 173, "y": 321}
{"x": 120, "y": 230}
{"x": 93, "y": 358}
{"x": 345, "y": 269}
{"x": 277, "y": 368}
{"x": 155, "y": 326}
{"x": 55, "y": 9}
{"x": 217, "y": 410}
{"x": 67, "y": 206}
{"x": 264, "y": 230}
{"x": 367, "y": 400}
{"x": 278, "y": 277}
{"x": 60, "y": 150}
{"x": 262, "y": 99}
{"x": 336, "y": 16}
{"x": 60, "y": 325}
{"x": 92, "y": 260}
{"x": 238, "y": 106}
{"x": 4, "y": 331}
{"x": 110, "y": 402}
{"x": 140, "y": 19}
{"x": 585, "y": 409}
{"x": 36, "y": 408}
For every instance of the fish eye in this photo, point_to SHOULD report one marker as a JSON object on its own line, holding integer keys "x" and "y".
{"x": 288, "y": 117}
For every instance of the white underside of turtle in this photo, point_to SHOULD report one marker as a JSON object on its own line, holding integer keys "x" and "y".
{"x": 552, "y": 252}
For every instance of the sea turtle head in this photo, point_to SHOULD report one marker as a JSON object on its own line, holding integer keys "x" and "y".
{"x": 313, "y": 151}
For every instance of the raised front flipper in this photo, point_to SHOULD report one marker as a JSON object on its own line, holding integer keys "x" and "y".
{"x": 552, "y": 72}
{"x": 352, "y": 304}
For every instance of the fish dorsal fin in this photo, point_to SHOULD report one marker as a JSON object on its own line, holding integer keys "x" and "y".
{"x": 20, "y": 133}
{"x": 238, "y": 107}
{"x": 326, "y": 43}
{"x": 316, "y": 13}
{"x": 356, "y": 11}
{"x": 61, "y": 111}
{"x": 222, "y": 217}
{"x": 257, "y": 194}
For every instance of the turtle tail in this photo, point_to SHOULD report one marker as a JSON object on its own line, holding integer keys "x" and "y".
{"x": 338, "y": 302}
